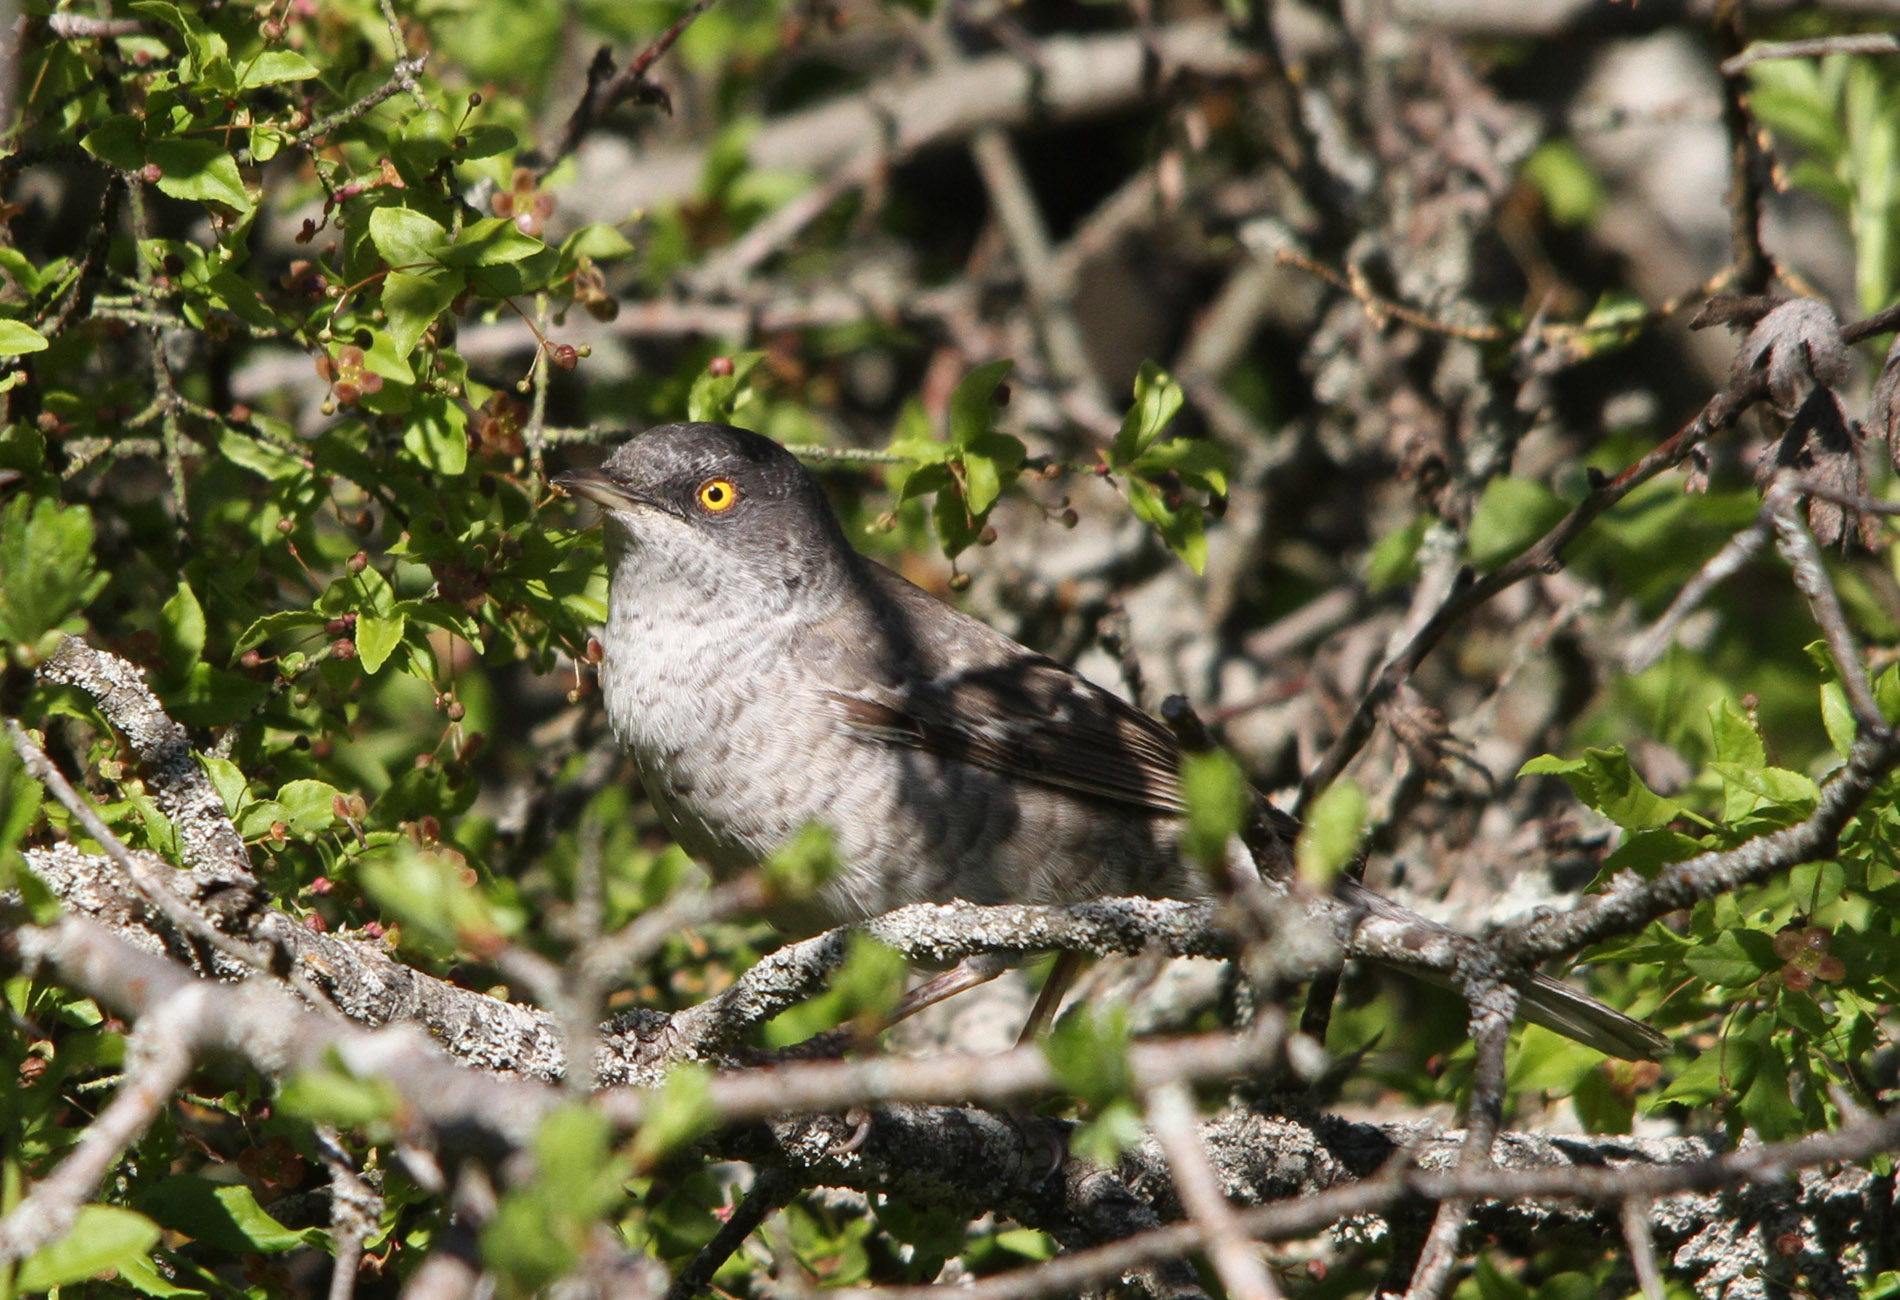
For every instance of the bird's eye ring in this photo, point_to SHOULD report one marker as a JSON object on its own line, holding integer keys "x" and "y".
{"x": 718, "y": 495}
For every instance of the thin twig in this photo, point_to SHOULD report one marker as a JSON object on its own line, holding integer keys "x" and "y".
{"x": 1493, "y": 1002}
{"x": 1171, "y": 1118}
{"x": 770, "y": 1190}
{"x": 1815, "y": 47}
{"x": 1542, "y": 556}
{"x": 1797, "y": 547}
{"x": 1642, "y": 1243}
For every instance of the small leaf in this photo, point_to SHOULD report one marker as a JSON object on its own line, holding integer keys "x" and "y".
{"x": 414, "y": 299}
{"x": 1157, "y": 399}
{"x": 717, "y": 398}
{"x": 1330, "y": 839}
{"x": 1217, "y": 798}
{"x": 117, "y": 141}
{"x": 103, "y": 1238}
{"x": 202, "y": 170}
{"x": 799, "y": 867}
{"x": 17, "y": 338}
{"x": 493, "y": 241}
{"x": 407, "y": 239}
{"x": 225, "y": 1216}
{"x": 181, "y": 629}
{"x": 273, "y": 67}
{"x": 1089, "y": 1053}
{"x": 1736, "y": 740}
{"x": 377, "y": 638}
{"x": 973, "y": 404}
{"x": 46, "y": 568}
{"x": 437, "y": 435}
{"x": 681, "y": 1112}
{"x": 308, "y": 806}
{"x": 1512, "y": 513}
{"x": 1735, "y": 959}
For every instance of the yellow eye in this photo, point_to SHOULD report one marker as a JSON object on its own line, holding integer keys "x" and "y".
{"x": 718, "y": 495}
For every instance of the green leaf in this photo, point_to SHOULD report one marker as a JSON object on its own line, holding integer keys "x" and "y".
{"x": 493, "y": 241}
{"x": 1089, "y": 1053}
{"x": 1735, "y": 958}
{"x": 1736, "y": 740}
{"x": 799, "y": 867}
{"x": 1573, "y": 192}
{"x": 377, "y": 638}
{"x": 181, "y": 629}
{"x": 1769, "y": 789}
{"x": 262, "y": 458}
{"x": 103, "y": 1238}
{"x": 273, "y": 67}
{"x": 1157, "y": 398}
{"x": 1330, "y": 838}
{"x": 973, "y": 404}
{"x": 486, "y": 140}
{"x": 414, "y": 299}
{"x": 1648, "y": 852}
{"x": 17, "y": 337}
{"x": 597, "y": 242}
{"x": 1217, "y": 798}
{"x": 682, "y": 1111}
{"x": 1838, "y": 718}
{"x": 46, "y": 569}
{"x": 333, "y": 1095}
{"x": 1200, "y": 463}
{"x": 424, "y": 889}
{"x": 437, "y": 435}
{"x": 407, "y": 239}
{"x": 540, "y": 1228}
{"x": 20, "y": 800}
{"x": 308, "y": 806}
{"x": 227, "y": 778}
{"x": 1394, "y": 558}
{"x": 1604, "y": 779}
{"x": 1512, "y": 513}
{"x": 202, "y": 170}
{"x": 1180, "y": 528}
{"x": 118, "y": 142}
{"x": 1110, "y": 1131}
{"x": 717, "y": 398}
{"x": 225, "y": 1216}
{"x": 1766, "y": 1104}
{"x": 1813, "y": 885}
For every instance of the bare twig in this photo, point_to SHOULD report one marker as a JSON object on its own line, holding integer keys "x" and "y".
{"x": 769, "y": 1191}
{"x": 1797, "y": 547}
{"x": 1642, "y": 1244}
{"x": 1171, "y": 1117}
{"x": 1814, "y": 47}
{"x": 1545, "y": 554}
{"x": 607, "y": 88}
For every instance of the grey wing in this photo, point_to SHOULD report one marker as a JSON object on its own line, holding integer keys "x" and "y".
{"x": 1029, "y": 717}
{"x": 970, "y": 693}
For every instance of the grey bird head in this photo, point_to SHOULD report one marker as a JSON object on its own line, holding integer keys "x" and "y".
{"x": 717, "y": 509}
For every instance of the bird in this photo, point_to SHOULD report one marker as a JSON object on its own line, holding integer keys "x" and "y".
{"x": 765, "y": 676}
